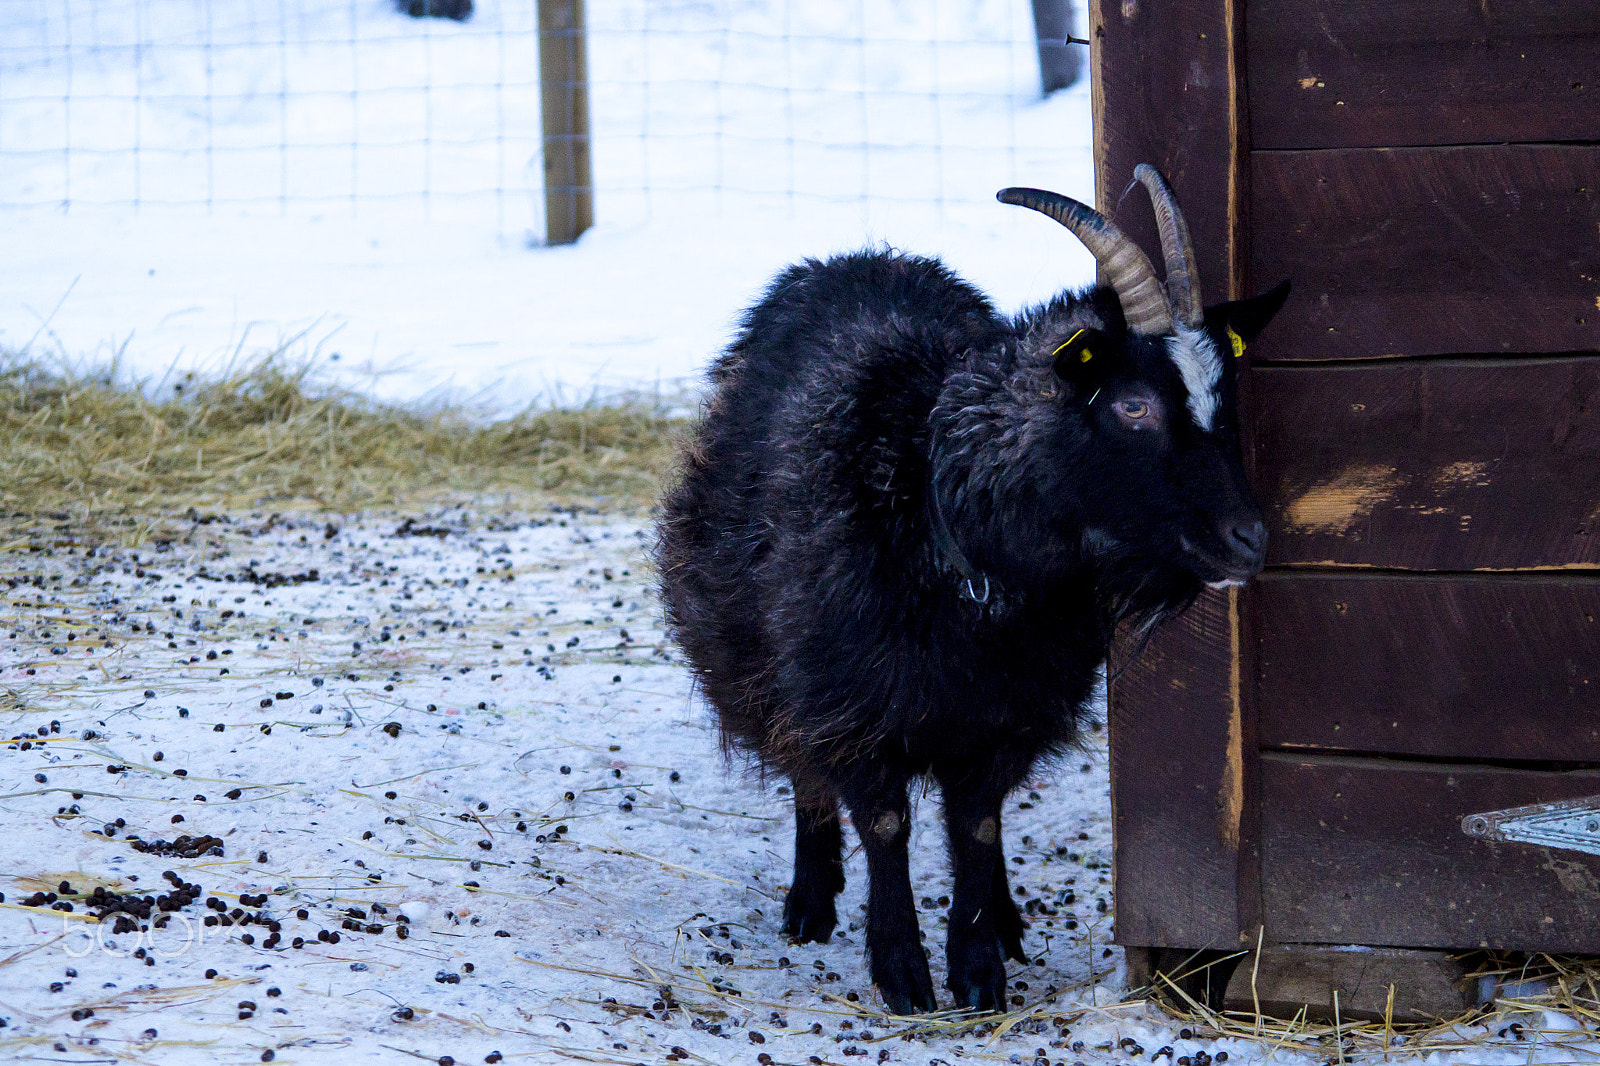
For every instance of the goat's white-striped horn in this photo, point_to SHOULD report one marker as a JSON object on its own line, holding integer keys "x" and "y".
{"x": 1183, "y": 277}
{"x": 1127, "y": 268}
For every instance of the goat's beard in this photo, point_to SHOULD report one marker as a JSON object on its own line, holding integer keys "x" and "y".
{"x": 1133, "y": 597}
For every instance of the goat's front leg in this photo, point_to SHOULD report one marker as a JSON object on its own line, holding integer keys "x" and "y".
{"x": 983, "y": 917}
{"x": 882, "y": 816}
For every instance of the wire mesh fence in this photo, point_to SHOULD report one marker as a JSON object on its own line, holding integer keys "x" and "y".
{"x": 340, "y": 105}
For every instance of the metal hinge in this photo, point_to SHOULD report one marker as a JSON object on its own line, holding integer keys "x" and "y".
{"x": 1572, "y": 824}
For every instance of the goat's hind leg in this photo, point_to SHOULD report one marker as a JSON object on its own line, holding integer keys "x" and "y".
{"x": 808, "y": 909}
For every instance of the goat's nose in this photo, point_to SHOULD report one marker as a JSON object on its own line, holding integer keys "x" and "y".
{"x": 1247, "y": 539}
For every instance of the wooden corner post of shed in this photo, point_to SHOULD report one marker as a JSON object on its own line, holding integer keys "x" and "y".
{"x": 1163, "y": 92}
{"x": 564, "y": 95}
{"x": 1301, "y": 761}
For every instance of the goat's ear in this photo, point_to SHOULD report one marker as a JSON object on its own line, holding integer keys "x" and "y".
{"x": 1084, "y": 357}
{"x": 1247, "y": 318}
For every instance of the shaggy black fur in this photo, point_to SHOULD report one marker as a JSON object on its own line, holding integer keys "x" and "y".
{"x": 853, "y": 646}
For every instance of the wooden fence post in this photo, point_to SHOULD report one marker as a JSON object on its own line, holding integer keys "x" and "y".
{"x": 564, "y": 95}
{"x": 1059, "y": 64}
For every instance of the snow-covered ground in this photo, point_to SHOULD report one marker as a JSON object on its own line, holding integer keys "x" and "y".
{"x": 280, "y": 153}
{"x": 462, "y": 798}
{"x": 471, "y": 721}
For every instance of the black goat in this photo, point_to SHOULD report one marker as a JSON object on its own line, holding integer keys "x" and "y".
{"x": 908, "y": 527}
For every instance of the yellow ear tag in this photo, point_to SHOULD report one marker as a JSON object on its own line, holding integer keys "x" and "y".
{"x": 1064, "y": 345}
{"x": 1085, "y": 355}
{"x": 1237, "y": 342}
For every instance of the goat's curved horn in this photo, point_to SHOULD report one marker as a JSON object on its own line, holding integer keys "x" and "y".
{"x": 1127, "y": 268}
{"x": 1183, "y": 277}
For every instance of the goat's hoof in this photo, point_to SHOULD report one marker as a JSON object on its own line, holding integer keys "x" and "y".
{"x": 807, "y": 919}
{"x": 1011, "y": 946}
{"x": 978, "y": 978}
{"x": 805, "y": 932}
{"x": 901, "y": 974}
{"x": 1009, "y": 926}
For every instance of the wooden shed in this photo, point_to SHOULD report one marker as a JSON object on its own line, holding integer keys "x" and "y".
{"x": 1293, "y": 761}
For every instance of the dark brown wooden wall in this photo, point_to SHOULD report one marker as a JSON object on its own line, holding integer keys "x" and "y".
{"x": 1400, "y": 73}
{"x": 1423, "y": 426}
{"x": 1430, "y": 251}
{"x": 1365, "y": 851}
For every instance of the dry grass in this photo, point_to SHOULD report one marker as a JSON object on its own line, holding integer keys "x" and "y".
{"x": 96, "y": 445}
{"x": 1529, "y": 986}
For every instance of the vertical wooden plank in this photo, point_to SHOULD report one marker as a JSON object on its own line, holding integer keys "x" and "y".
{"x": 1246, "y": 619}
{"x": 1060, "y": 63}
{"x": 1175, "y": 800}
{"x": 564, "y": 94}
{"x": 1245, "y": 738}
{"x": 1165, "y": 93}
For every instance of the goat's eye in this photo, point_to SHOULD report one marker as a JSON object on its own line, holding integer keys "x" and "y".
{"x": 1139, "y": 412}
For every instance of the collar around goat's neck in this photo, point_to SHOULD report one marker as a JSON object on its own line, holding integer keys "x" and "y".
{"x": 973, "y": 578}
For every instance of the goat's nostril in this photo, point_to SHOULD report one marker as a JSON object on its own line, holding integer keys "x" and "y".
{"x": 1247, "y": 538}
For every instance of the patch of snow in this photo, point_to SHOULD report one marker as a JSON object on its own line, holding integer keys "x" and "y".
{"x": 888, "y": 124}
{"x": 460, "y": 776}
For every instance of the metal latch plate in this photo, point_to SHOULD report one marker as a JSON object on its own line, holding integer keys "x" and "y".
{"x": 1571, "y": 824}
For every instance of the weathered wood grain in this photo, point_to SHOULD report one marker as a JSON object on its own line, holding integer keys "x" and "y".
{"x": 1368, "y": 73}
{"x": 1164, "y": 81}
{"x": 1419, "y": 464}
{"x": 1369, "y": 851}
{"x": 1290, "y": 977}
{"x": 564, "y": 101}
{"x": 1443, "y": 666}
{"x": 1176, "y": 797}
{"x": 1428, "y": 251}
{"x": 1165, "y": 94}
{"x": 1431, "y": 465}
